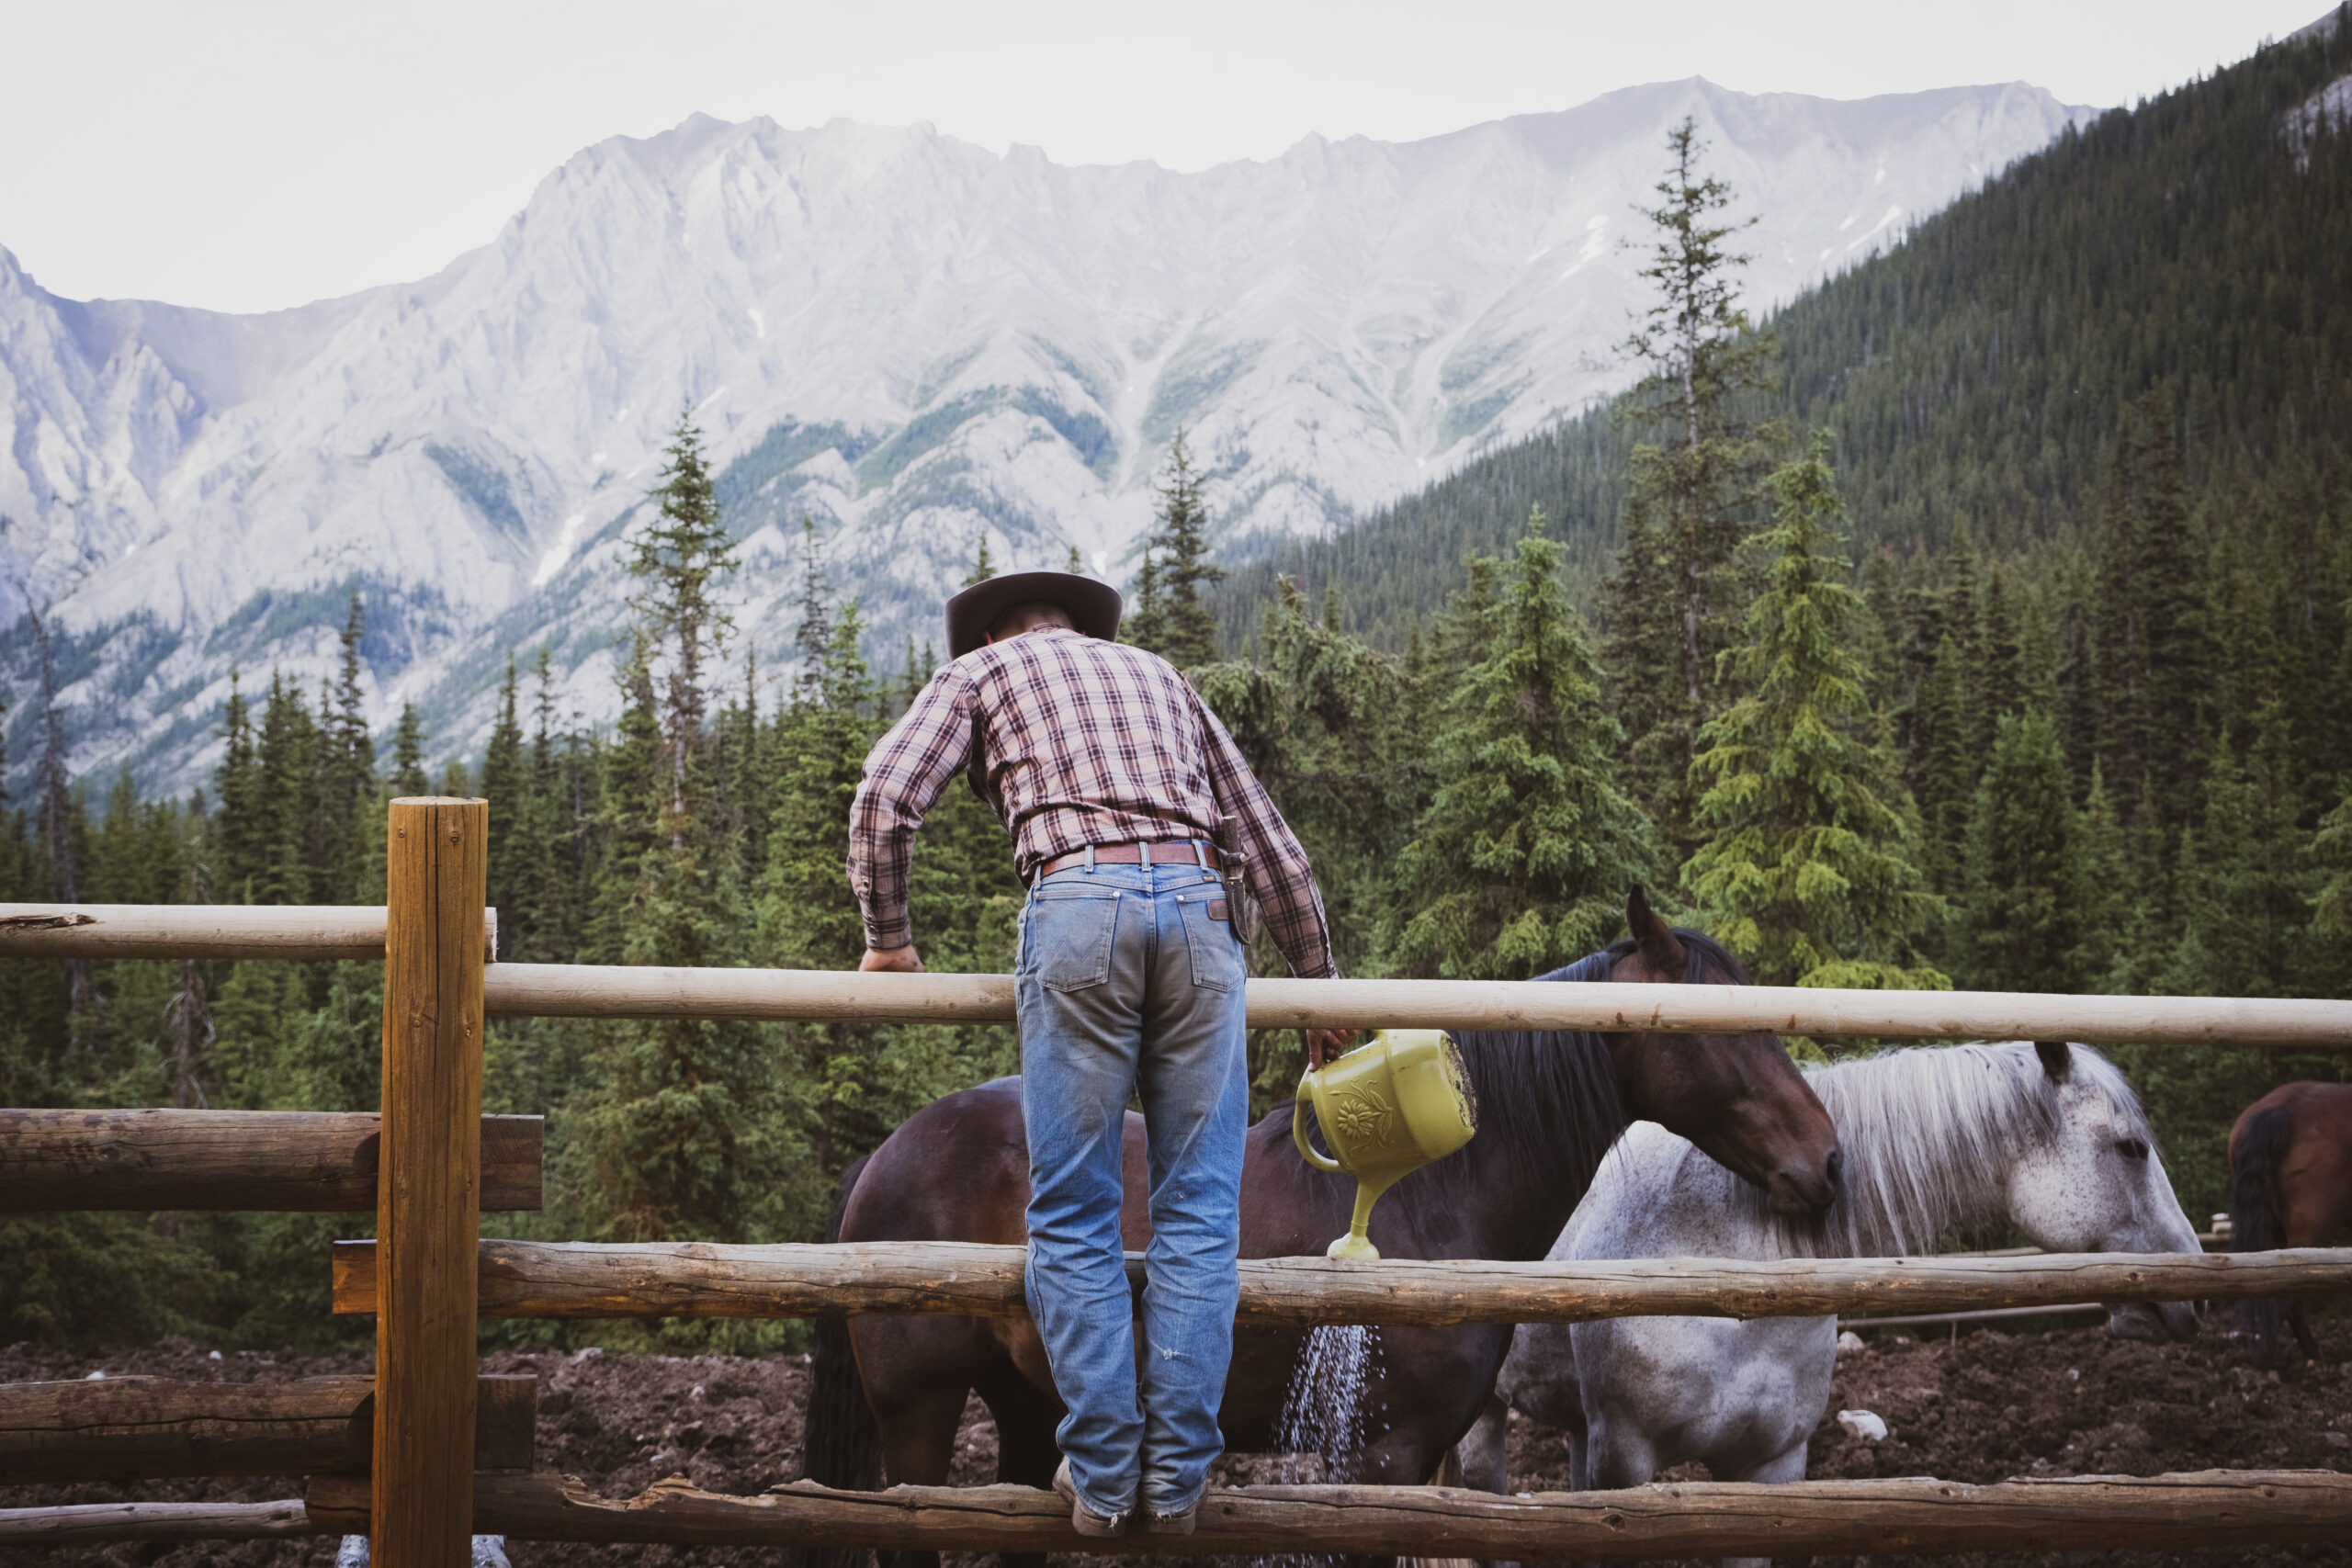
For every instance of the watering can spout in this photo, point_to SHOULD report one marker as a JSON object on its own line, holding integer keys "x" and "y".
{"x": 1386, "y": 1109}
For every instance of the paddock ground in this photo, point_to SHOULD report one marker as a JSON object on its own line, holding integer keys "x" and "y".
{"x": 2068, "y": 1401}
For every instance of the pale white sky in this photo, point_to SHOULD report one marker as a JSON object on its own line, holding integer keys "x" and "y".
{"x": 247, "y": 154}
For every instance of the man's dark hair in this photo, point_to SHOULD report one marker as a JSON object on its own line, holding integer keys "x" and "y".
{"x": 1015, "y": 619}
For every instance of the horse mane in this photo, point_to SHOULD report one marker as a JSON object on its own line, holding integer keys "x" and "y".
{"x": 1547, "y": 1098}
{"x": 1928, "y": 1132}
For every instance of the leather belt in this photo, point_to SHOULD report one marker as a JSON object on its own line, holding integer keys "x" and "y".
{"x": 1168, "y": 852}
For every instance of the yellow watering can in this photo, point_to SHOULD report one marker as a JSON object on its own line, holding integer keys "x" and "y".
{"x": 1386, "y": 1109}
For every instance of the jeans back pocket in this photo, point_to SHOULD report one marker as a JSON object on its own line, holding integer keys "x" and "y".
{"x": 1068, "y": 936}
{"x": 1209, "y": 936}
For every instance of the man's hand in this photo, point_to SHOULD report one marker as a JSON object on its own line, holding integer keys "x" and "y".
{"x": 891, "y": 960}
{"x": 1322, "y": 1045}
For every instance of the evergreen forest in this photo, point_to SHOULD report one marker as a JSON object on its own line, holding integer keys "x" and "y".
{"x": 1984, "y": 618}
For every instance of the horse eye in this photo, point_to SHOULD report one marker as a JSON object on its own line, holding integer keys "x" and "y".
{"x": 2132, "y": 1148}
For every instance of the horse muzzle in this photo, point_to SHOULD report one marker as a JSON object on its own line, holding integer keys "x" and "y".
{"x": 2152, "y": 1323}
{"x": 1798, "y": 1190}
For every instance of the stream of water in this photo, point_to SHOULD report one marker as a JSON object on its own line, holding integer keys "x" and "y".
{"x": 1326, "y": 1413}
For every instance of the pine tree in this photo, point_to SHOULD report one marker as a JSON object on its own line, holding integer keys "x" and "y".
{"x": 241, "y": 835}
{"x": 407, "y": 755}
{"x": 1808, "y": 874}
{"x": 1186, "y": 629}
{"x": 288, "y": 796}
{"x": 1999, "y": 687}
{"x": 815, "y": 633}
{"x": 1523, "y": 858}
{"x": 503, "y": 786}
{"x": 982, "y": 567}
{"x": 678, "y": 560}
{"x": 2149, "y": 645}
{"x": 346, "y": 770}
{"x": 1944, "y": 767}
{"x": 2021, "y": 918}
{"x": 2247, "y": 883}
{"x": 2106, "y": 903}
{"x": 1684, "y": 512}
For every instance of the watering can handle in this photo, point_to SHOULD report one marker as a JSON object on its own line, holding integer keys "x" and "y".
{"x": 1307, "y": 1151}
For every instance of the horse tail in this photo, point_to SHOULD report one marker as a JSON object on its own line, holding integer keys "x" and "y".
{"x": 2257, "y": 1220}
{"x": 841, "y": 1441}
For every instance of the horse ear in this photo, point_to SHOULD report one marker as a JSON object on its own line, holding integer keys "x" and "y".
{"x": 1662, "y": 952}
{"x": 2057, "y": 1059}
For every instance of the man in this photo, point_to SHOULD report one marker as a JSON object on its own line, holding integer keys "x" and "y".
{"x": 1112, "y": 775}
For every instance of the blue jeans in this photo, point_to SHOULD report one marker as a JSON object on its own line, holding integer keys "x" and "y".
{"x": 1128, "y": 985}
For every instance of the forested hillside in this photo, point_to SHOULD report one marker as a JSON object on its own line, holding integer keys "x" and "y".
{"x": 1984, "y": 622}
{"x": 1978, "y": 373}
{"x": 2092, "y": 429}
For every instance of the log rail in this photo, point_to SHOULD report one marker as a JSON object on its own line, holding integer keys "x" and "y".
{"x": 579, "y": 990}
{"x": 577, "y": 1279}
{"x": 133, "y": 1429}
{"x": 1673, "y": 1519}
{"x": 282, "y": 1161}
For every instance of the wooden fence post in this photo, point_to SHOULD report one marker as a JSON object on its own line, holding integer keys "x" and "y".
{"x": 428, "y": 1183}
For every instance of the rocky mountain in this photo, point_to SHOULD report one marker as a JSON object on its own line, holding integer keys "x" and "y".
{"x": 906, "y": 339}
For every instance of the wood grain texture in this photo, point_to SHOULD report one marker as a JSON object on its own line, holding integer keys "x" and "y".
{"x": 565, "y": 990}
{"x": 567, "y": 1279}
{"x": 200, "y": 930}
{"x": 91, "y": 1524}
{"x": 1672, "y": 1519}
{"x": 310, "y": 1162}
{"x": 429, "y": 1190}
{"x": 140, "y": 1428}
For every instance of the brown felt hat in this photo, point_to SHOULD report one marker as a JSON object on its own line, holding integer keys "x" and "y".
{"x": 1093, "y": 605}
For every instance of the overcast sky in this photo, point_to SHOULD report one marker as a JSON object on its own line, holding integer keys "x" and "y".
{"x": 247, "y": 154}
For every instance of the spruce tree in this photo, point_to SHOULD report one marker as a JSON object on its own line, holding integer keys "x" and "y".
{"x": 2023, "y": 917}
{"x": 1146, "y": 622}
{"x": 1998, "y": 689}
{"x": 289, "y": 795}
{"x": 503, "y": 786}
{"x": 1177, "y": 554}
{"x": 1943, "y": 766}
{"x": 983, "y": 567}
{"x": 241, "y": 834}
{"x": 1807, "y": 874}
{"x": 1685, "y": 510}
{"x": 1521, "y": 862}
{"x": 2332, "y": 849}
{"x": 678, "y": 560}
{"x": 2246, "y": 881}
{"x": 2108, "y": 906}
{"x": 408, "y": 754}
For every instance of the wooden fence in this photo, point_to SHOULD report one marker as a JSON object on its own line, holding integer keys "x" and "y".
{"x": 439, "y": 1459}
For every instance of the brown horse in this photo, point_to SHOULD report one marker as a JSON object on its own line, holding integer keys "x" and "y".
{"x": 2291, "y": 1185}
{"x": 1549, "y": 1106}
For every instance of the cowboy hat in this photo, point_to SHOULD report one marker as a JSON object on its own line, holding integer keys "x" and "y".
{"x": 1093, "y": 605}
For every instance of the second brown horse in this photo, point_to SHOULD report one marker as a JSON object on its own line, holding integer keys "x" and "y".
{"x": 2291, "y": 1185}
{"x": 1549, "y": 1105}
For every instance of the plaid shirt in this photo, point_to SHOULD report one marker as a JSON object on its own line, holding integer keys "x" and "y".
{"x": 1078, "y": 742}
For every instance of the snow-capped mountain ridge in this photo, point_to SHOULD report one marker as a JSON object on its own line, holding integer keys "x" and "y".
{"x": 904, "y": 337}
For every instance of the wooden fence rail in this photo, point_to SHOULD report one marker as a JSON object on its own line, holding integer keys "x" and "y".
{"x": 302, "y": 1161}
{"x": 577, "y": 1279}
{"x": 94, "y": 1524}
{"x": 575, "y": 990}
{"x": 202, "y": 931}
{"x": 138, "y": 1429}
{"x": 579, "y": 990}
{"x": 1677, "y": 1519}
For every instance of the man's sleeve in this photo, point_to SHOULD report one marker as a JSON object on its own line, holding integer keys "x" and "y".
{"x": 1280, "y": 876}
{"x": 903, "y": 778}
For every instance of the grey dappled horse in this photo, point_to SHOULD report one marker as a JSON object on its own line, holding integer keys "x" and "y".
{"x": 2047, "y": 1137}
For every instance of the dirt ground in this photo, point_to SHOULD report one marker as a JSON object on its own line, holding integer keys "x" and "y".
{"x": 2066, "y": 1401}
